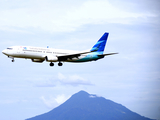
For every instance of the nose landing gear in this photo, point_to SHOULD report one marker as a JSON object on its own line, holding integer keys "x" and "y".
{"x": 11, "y": 58}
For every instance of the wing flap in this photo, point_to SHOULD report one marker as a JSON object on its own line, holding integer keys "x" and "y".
{"x": 70, "y": 56}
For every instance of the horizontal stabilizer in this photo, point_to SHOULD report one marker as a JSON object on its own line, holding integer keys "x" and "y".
{"x": 107, "y": 54}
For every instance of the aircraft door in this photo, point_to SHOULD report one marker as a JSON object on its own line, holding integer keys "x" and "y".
{"x": 18, "y": 51}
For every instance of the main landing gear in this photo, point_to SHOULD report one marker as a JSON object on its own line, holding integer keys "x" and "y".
{"x": 51, "y": 64}
{"x": 59, "y": 64}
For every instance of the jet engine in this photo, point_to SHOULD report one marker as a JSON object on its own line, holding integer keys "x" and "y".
{"x": 37, "y": 60}
{"x": 51, "y": 59}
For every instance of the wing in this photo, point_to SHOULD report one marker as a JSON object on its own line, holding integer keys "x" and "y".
{"x": 70, "y": 56}
{"x": 103, "y": 55}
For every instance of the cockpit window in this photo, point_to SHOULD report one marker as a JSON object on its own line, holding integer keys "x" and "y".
{"x": 9, "y": 48}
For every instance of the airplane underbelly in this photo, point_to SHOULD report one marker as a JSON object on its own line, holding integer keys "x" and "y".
{"x": 85, "y": 59}
{"x": 29, "y": 55}
{"x": 36, "y": 56}
{"x": 76, "y": 59}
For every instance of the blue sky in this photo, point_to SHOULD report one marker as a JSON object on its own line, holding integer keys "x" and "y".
{"x": 131, "y": 78}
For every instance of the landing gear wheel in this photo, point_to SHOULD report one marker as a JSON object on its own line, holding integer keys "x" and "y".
{"x": 60, "y": 64}
{"x": 51, "y": 64}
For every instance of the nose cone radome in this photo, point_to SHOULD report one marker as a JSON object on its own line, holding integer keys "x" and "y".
{"x": 4, "y": 52}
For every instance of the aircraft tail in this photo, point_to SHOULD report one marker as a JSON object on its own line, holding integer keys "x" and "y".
{"x": 100, "y": 45}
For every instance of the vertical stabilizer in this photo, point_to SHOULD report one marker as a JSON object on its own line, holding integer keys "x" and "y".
{"x": 100, "y": 45}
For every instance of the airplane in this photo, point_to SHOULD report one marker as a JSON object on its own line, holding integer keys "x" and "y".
{"x": 39, "y": 54}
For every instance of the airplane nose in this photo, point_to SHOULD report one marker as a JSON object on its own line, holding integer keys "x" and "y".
{"x": 4, "y": 51}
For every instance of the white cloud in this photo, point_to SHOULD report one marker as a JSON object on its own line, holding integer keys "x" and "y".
{"x": 99, "y": 12}
{"x": 49, "y": 102}
{"x": 61, "y": 76}
{"x": 54, "y": 18}
{"x": 13, "y": 101}
{"x": 73, "y": 80}
{"x": 94, "y": 96}
{"x": 61, "y": 79}
{"x": 9, "y": 101}
{"x": 52, "y": 102}
{"x": 61, "y": 98}
{"x": 45, "y": 83}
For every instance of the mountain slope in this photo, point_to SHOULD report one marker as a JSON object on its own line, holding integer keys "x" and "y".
{"x": 84, "y": 106}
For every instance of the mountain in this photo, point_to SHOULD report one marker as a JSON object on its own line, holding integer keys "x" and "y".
{"x": 84, "y": 106}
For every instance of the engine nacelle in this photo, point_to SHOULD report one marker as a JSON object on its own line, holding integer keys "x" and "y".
{"x": 51, "y": 59}
{"x": 37, "y": 60}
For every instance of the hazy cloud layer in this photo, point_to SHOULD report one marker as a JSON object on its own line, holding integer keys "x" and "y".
{"x": 61, "y": 79}
{"x": 131, "y": 78}
{"x": 59, "y": 18}
{"x": 73, "y": 80}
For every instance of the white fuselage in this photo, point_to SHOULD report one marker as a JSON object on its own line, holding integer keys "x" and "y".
{"x": 39, "y": 54}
